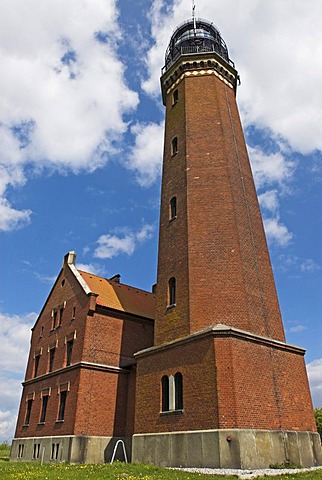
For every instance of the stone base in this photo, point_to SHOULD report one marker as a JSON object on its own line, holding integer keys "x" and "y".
{"x": 71, "y": 449}
{"x": 240, "y": 448}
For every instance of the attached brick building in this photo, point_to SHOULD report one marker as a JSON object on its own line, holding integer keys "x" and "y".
{"x": 214, "y": 383}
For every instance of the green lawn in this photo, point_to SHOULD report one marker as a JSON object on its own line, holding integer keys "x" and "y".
{"x": 116, "y": 471}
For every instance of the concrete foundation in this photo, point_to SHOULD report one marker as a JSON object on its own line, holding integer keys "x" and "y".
{"x": 71, "y": 449}
{"x": 228, "y": 449}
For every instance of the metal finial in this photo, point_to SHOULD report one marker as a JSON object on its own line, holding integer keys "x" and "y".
{"x": 194, "y": 16}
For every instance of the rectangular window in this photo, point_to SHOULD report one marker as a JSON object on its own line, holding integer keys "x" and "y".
{"x": 36, "y": 451}
{"x": 74, "y": 313}
{"x": 36, "y": 364}
{"x": 175, "y": 97}
{"x": 69, "y": 352}
{"x": 54, "y": 451}
{"x": 44, "y": 408}
{"x": 62, "y": 405}
{"x": 28, "y": 412}
{"x": 21, "y": 448}
{"x": 54, "y": 319}
{"x": 61, "y": 312}
{"x": 52, "y": 352}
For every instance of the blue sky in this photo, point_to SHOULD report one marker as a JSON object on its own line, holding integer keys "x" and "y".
{"x": 81, "y": 133}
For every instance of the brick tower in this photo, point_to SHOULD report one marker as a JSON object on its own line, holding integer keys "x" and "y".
{"x": 220, "y": 387}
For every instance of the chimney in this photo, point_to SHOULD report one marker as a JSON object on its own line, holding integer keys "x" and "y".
{"x": 116, "y": 278}
{"x": 70, "y": 258}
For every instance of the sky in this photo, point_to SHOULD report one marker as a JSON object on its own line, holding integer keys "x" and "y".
{"x": 81, "y": 139}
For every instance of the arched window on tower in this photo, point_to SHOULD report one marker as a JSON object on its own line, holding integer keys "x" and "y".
{"x": 175, "y": 97}
{"x": 172, "y": 291}
{"x": 173, "y": 208}
{"x": 174, "y": 146}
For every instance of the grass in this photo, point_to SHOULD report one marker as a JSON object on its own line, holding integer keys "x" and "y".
{"x": 116, "y": 471}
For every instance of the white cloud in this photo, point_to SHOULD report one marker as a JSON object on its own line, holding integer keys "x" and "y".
{"x": 309, "y": 265}
{"x": 14, "y": 340}
{"x": 298, "y": 329}
{"x": 94, "y": 268}
{"x": 122, "y": 241}
{"x": 12, "y": 219}
{"x": 62, "y": 90}
{"x": 314, "y": 370}
{"x": 276, "y": 232}
{"x": 269, "y": 200}
{"x": 146, "y": 155}
{"x": 270, "y": 168}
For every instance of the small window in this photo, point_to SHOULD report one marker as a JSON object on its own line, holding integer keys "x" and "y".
{"x": 173, "y": 208}
{"x": 61, "y": 312}
{"x": 28, "y": 412}
{"x": 21, "y": 448}
{"x": 54, "y": 319}
{"x": 69, "y": 352}
{"x": 36, "y": 364}
{"x": 174, "y": 146}
{"x": 175, "y": 97}
{"x": 52, "y": 352}
{"x": 74, "y": 313}
{"x": 54, "y": 451}
{"x": 62, "y": 405}
{"x": 36, "y": 451}
{"x": 165, "y": 393}
{"x": 44, "y": 409}
{"x": 172, "y": 291}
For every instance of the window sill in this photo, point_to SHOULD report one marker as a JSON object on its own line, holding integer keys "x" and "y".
{"x": 41, "y": 423}
{"x": 174, "y": 154}
{"x": 169, "y": 307}
{"x": 172, "y": 412}
{"x": 59, "y": 421}
{"x": 172, "y": 219}
{"x": 26, "y": 425}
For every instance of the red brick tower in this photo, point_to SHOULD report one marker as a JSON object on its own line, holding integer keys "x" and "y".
{"x": 220, "y": 387}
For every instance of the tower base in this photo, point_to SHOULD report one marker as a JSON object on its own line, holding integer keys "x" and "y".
{"x": 234, "y": 448}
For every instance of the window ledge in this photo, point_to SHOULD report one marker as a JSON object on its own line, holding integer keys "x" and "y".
{"x": 41, "y": 423}
{"x": 25, "y": 425}
{"x": 169, "y": 307}
{"x": 172, "y": 412}
{"x": 174, "y": 154}
{"x": 59, "y": 421}
{"x": 172, "y": 218}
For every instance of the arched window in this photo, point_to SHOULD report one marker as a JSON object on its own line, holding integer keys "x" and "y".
{"x": 174, "y": 146}
{"x": 178, "y": 389}
{"x": 172, "y": 392}
{"x": 165, "y": 393}
{"x": 175, "y": 97}
{"x": 172, "y": 291}
{"x": 173, "y": 208}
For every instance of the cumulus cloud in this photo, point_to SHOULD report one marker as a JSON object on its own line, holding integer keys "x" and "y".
{"x": 122, "y": 241}
{"x": 277, "y": 232}
{"x": 270, "y": 168}
{"x": 298, "y": 329}
{"x": 94, "y": 268}
{"x": 14, "y": 340}
{"x": 146, "y": 155}
{"x": 314, "y": 370}
{"x": 62, "y": 91}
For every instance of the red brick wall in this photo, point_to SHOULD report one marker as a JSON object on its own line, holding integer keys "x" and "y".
{"x": 261, "y": 387}
{"x": 196, "y": 363}
{"x": 216, "y": 248}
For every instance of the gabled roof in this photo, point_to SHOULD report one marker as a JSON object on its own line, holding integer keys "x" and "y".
{"x": 119, "y": 296}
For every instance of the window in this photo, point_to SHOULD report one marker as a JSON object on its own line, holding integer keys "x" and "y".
{"x": 44, "y": 408}
{"x": 172, "y": 292}
{"x": 74, "y": 313}
{"x": 54, "y": 451}
{"x": 175, "y": 97}
{"x": 173, "y": 208}
{"x": 36, "y": 450}
{"x": 28, "y": 411}
{"x": 62, "y": 405}
{"x": 178, "y": 391}
{"x": 172, "y": 393}
{"x": 21, "y": 448}
{"x": 52, "y": 352}
{"x": 174, "y": 146}
{"x": 54, "y": 319}
{"x": 165, "y": 393}
{"x": 36, "y": 364}
{"x": 69, "y": 351}
{"x": 61, "y": 312}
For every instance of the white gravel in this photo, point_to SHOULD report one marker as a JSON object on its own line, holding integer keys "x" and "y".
{"x": 244, "y": 474}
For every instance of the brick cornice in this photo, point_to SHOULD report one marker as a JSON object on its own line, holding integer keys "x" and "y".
{"x": 223, "y": 331}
